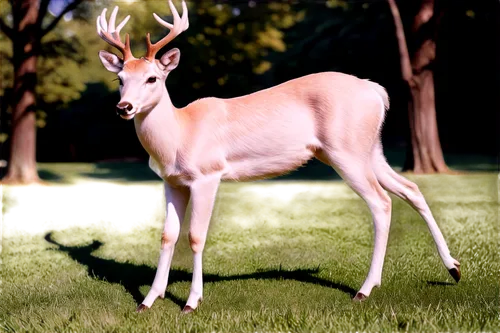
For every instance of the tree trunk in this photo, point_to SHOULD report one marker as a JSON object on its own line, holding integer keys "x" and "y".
{"x": 22, "y": 162}
{"x": 426, "y": 154}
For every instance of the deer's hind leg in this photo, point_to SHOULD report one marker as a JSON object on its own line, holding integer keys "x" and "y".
{"x": 409, "y": 192}
{"x": 357, "y": 171}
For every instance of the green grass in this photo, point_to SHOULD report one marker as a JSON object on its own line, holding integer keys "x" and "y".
{"x": 281, "y": 256}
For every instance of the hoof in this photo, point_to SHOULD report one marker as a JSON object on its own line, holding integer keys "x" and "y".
{"x": 359, "y": 297}
{"x": 187, "y": 309}
{"x": 141, "y": 308}
{"x": 162, "y": 296}
{"x": 455, "y": 272}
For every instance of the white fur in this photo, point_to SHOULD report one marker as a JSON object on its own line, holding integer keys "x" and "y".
{"x": 334, "y": 117}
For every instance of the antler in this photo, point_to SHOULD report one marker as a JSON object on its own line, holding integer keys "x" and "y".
{"x": 111, "y": 35}
{"x": 180, "y": 25}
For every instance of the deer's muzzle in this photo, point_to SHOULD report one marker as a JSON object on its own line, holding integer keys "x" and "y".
{"x": 123, "y": 108}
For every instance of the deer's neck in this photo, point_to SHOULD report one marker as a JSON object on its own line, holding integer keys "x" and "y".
{"x": 159, "y": 131}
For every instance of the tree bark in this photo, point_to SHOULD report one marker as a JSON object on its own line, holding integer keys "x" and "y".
{"x": 22, "y": 162}
{"x": 426, "y": 154}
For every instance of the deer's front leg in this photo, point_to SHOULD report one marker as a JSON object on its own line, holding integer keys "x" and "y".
{"x": 153, "y": 166}
{"x": 203, "y": 194}
{"x": 177, "y": 200}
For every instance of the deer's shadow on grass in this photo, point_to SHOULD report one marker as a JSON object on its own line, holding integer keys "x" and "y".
{"x": 439, "y": 283}
{"x": 132, "y": 276}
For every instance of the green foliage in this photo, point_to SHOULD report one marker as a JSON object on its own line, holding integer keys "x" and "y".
{"x": 59, "y": 80}
{"x": 6, "y": 74}
{"x": 70, "y": 62}
{"x": 67, "y": 63}
{"x": 62, "y": 66}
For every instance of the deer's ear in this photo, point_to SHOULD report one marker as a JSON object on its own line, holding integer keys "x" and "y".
{"x": 170, "y": 59}
{"x": 111, "y": 61}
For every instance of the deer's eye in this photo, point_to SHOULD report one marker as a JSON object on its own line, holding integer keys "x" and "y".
{"x": 152, "y": 79}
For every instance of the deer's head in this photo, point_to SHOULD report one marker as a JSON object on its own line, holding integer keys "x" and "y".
{"x": 142, "y": 81}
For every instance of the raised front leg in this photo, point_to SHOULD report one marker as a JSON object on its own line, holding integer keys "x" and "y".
{"x": 203, "y": 194}
{"x": 177, "y": 200}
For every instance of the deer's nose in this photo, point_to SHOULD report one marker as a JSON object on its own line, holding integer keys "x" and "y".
{"x": 122, "y": 108}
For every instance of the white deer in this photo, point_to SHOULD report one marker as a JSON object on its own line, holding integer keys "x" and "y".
{"x": 333, "y": 117}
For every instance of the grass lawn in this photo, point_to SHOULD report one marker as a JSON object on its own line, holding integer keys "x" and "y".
{"x": 80, "y": 254}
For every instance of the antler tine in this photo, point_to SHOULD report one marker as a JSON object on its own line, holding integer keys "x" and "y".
{"x": 184, "y": 19}
{"x": 101, "y": 19}
{"x": 112, "y": 19}
{"x": 179, "y": 25}
{"x": 111, "y": 35}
